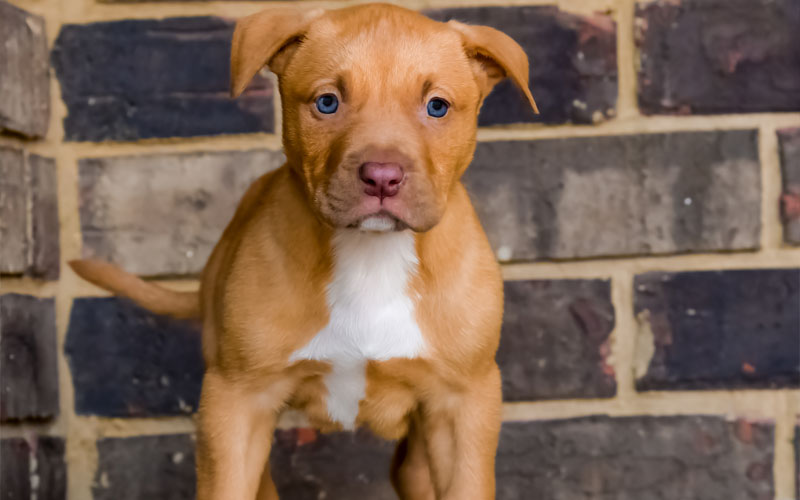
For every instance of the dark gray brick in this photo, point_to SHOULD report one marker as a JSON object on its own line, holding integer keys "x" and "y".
{"x": 555, "y": 340}
{"x": 136, "y": 79}
{"x": 127, "y": 362}
{"x": 29, "y": 229}
{"x": 620, "y": 195}
{"x": 790, "y": 168}
{"x": 157, "y": 467}
{"x": 33, "y": 468}
{"x": 28, "y": 358}
{"x": 163, "y": 214}
{"x": 719, "y": 56}
{"x": 725, "y": 329}
{"x": 636, "y": 458}
{"x": 305, "y": 465}
{"x": 337, "y": 466}
{"x": 24, "y": 80}
{"x": 573, "y": 63}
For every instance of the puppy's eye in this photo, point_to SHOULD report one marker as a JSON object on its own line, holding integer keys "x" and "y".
{"x": 437, "y": 107}
{"x": 327, "y": 104}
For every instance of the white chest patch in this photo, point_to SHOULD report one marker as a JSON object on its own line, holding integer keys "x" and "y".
{"x": 371, "y": 315}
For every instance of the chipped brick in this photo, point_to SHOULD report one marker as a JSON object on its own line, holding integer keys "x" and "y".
{"x": 137, "y": 79}
{"x": 719, "y": 56}
{"x": 555, "y": 337}
{"x": 719, "y": 329}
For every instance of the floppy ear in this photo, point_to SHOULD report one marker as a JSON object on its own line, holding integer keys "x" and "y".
{"x": 496, "y": 56}
{"x": 266, "y": 38}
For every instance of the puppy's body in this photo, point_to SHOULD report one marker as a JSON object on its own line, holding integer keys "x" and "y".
{"x": 359, "y": 305}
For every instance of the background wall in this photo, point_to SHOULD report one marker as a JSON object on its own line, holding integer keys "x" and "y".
{"x": 651, "y": 346}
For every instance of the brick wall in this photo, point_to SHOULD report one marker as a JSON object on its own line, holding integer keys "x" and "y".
{"x": 647, "y": 222}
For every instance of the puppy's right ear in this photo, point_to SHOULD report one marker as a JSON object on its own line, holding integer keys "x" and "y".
{"x": 266, "y": 38}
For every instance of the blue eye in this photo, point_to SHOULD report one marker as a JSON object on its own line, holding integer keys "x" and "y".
{"x": 327, "y": 104}
{"x": 437, "y": 108}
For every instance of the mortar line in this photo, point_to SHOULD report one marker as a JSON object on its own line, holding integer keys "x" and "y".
{"x": 784, "y": 460}
{"x": 759, "y": 404}
{"x": 623, "y": 336}
{"x": 627, "y": 103}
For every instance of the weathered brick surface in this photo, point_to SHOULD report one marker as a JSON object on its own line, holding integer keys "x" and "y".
{"x": 621, "y": 195}
{"x": 163, "y": 214}
{"x": 24, "y": 79}
{"x": 719, "y": 56}
{"x": 32, "y": 468}
{"x": 28, "y": 364}
{"x": 29, "y": 222}
{"x": 338, "y": 466}
{"x": 634, "y": 458}
{"x": 790, "y": 168}
{"x": 126, "y": 361}
{"x": 573, "y": 70}
{"x": 135, "y": 79}
{"x": 554, "y": 342}
{"x": 637, "y": 458}
{"x": 305, "y": 465}
{"x": 145, "y": 467}
{"x": 727, "y": 329}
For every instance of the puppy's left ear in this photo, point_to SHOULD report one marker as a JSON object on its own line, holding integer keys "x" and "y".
{"x": 266, "y": 38}
{"x": 495, "y": 56}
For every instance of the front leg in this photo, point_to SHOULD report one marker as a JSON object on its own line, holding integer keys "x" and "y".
{"x": 461, "y": 434}
{"x": 236, "y": 423}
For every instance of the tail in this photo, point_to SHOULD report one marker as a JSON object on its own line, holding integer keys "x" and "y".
{"x": 148, "y": 295}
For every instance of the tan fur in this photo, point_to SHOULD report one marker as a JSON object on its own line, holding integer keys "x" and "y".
{"x": 263, "y": 289}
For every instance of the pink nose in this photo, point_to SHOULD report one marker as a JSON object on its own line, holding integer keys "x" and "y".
{"x": 381, "y": 179}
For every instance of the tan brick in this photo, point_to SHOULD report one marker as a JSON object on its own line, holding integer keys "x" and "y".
{"x": 163, "y": 214}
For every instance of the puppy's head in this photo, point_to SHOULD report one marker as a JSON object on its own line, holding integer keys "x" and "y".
{"x": 380, "y": 105}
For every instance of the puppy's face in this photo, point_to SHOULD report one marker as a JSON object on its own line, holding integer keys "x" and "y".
{"x": 380, "y": 112}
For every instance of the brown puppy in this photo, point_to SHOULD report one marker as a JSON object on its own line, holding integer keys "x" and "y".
{"x": 355, "y": 283}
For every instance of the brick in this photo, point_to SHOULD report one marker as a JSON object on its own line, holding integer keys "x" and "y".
{"x": 133, "y": 468}
{"x": 789, "y": 140}
{"x": 620, "y": 195}
{"x": 137, "y": 79}
{"x": 28, "y": 358}
{"x": 718, "y": 56}
{"x": 718, "y": 329}
{"x": 341, "y": 465}
{"x": 305, "y": 464}
{"x": 24, "y": 81}
{"x": 573, "y": 63}
{"x": 163, "y": 214}
{"x": 29, "y": 225}
{"x": 636, "y": 458}
{"x": 33, "y": 468}
{"x": 555, "y": 340}
{"x": 127, "y": 362}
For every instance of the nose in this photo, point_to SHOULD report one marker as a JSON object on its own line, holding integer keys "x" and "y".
{"x": 381, "y": 179}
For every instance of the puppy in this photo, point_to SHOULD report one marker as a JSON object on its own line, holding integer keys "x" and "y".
{"x": 355, "y": 282}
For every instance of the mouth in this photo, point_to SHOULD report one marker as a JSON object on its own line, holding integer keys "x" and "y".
{"x": 380, "y": 222}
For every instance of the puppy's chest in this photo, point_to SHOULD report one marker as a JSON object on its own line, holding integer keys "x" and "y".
{"x": 371, "y": 316}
